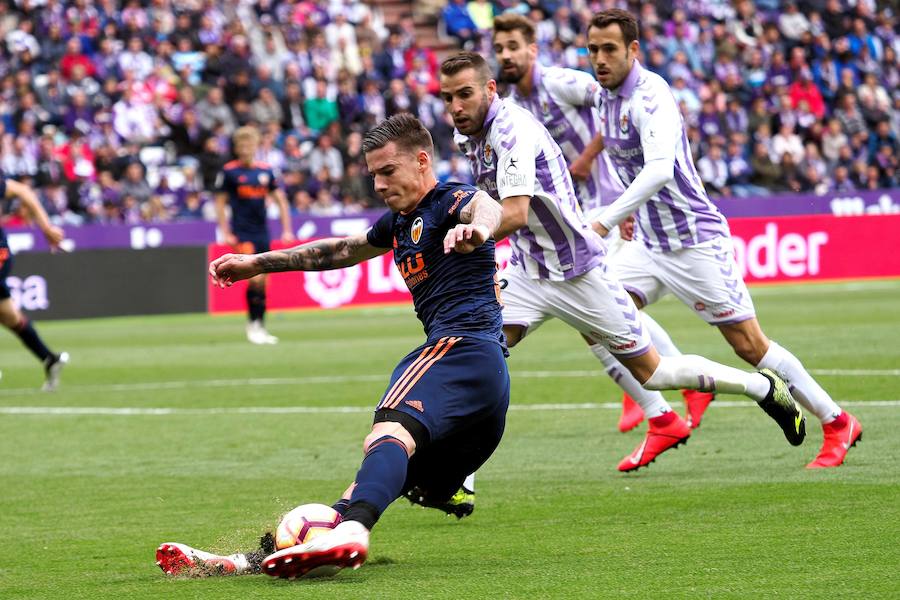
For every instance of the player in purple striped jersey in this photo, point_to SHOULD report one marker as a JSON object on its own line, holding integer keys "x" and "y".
{"x": 557, "y": 267}
{"x": 685, "y": 243}
{"x": 567, "y": 102}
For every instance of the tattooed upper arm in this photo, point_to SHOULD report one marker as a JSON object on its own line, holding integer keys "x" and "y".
{"x": 468, "y": 212}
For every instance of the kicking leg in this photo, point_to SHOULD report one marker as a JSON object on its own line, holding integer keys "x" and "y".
{"x": 180, "y": 559}
{"x": 379, "y": 481}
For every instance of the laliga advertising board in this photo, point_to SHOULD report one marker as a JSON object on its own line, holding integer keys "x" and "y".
{"x": 768, "y": 250}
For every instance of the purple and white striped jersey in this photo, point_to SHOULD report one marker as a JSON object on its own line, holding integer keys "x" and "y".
{"x": 515, "y": 156}
{"x": 566, "y": 101}
{"x": 641, "y": 122}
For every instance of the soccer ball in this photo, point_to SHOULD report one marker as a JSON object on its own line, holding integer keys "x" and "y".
{"x": 305, "y": 523}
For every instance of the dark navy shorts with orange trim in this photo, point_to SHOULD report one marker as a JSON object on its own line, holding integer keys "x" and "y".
{"x": 457, "y": 388}
{"x": 450, "y": 383}
{"x": 6, "y": 261}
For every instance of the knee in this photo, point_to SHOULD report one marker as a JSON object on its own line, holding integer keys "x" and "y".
{"x": 396, "y": 434}
{"x": 750, "y": 348}
{"x": 10, "y": 320}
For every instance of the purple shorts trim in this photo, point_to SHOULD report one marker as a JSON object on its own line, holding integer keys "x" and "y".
{"x": 632, "y": 354}
{"x": 735, "y": 320}
{"x": 636, "y": 292}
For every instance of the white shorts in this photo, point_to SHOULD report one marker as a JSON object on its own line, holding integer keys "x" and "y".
{"x": 705, "y": 277}
{"x": 594, "y": 303}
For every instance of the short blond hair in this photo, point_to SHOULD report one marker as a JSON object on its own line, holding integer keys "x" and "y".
{"x": 246, "y": 133}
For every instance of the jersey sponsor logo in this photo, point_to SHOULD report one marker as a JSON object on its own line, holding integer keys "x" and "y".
{"x": 458, "y": 196}
{"x": 252, "y": 192}
{"x": 413, "y": 270}
{"x": 415, "y": 232}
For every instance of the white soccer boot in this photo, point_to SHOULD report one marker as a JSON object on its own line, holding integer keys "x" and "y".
{"x": 257, "y": 334}
{"x": 53, "y": 369}
{"x": 174, "y": 558}
{"x": 347, "y": 545}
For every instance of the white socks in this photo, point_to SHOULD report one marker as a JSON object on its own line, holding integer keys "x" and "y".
{"x": 694, "y": 372}
{"x": 469, "y": 483}
{"x": 659, "y": 336}
{"x": 803, "y": 387}
{"x": 651, "y": 402}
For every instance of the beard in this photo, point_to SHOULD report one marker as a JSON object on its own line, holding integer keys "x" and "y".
{"x": 476, "y": 123}
{"x": 513, "y": 76}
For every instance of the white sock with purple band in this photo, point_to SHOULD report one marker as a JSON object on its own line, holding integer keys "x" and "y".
{"x": 651, "y": 402}
{"x": 803, "y": 387}
{"x": 659, "y": 336}
{"x": 693, "y": 372}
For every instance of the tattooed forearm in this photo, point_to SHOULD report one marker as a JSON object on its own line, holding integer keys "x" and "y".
{"x": 321, "y": 255}
{"x": 482, "y": 210}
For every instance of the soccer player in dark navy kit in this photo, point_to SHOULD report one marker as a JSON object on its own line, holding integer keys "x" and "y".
{"x": 10, "y": 316}
{"x": 444, "y": 410}
{"x": 245, "y": 185}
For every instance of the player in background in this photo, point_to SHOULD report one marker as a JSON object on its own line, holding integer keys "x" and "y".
{"x": 444, "y": 410}
{"x": 557, "y": 266}
{"x": 567, "y": 103}
{"x": 10, "y": 315}
{"x": 245, "y": 185}
{"x": 684, "y": 243}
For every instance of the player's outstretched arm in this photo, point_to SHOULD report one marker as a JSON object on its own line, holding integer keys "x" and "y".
{"x": 478, "y": 221}
{"x": 30, "y": 200}
{"x": 321, "y": 255}
{"x": 515, "y": 215}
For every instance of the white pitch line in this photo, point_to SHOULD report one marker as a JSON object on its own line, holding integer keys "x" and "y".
{"x": 334, "y": 379}
{"x": 79, "y": 411}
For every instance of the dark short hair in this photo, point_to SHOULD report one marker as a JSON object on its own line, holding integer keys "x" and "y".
{"x": 403, "y": 129}
{"x": 626, "y": 21}
{"x": 510, "y": 22}
{"x": 467, "y": 60}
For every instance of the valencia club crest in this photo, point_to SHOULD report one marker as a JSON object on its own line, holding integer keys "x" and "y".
{"x": 415, "y": 232}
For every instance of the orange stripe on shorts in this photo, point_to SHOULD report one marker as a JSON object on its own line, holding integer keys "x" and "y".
{"x": 428, "y": 365}
{"x": 409, "y": 371}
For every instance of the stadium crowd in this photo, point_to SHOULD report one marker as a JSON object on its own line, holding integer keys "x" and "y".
{"x": 123, "y": 111}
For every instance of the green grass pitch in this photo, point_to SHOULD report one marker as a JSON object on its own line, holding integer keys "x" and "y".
{"x": 87, "y": 497}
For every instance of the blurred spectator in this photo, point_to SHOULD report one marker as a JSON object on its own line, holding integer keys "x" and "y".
{"x": 458, "y": 21}
{"x": 326, "y": 156}
{"x": 212, "y": 112}
{"x": 320, "y": 110}
{"x": 85, "y": 86}
{"x": 714, "y": 171}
